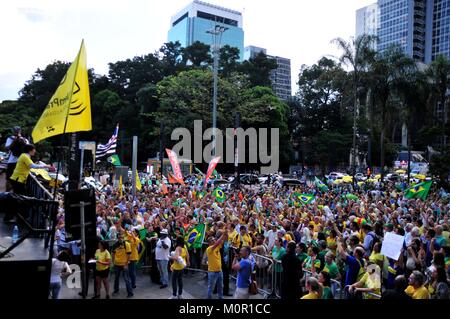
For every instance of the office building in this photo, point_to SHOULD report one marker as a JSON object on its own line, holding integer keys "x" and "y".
{"x": 193, "y": 22}
{"x": 279, "y": 77}
{"x": 367, "y": 20}
{"x": 437, "y": 29}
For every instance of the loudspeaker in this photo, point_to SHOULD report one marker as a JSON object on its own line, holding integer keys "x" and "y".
{"x": 72, "y": 214}
{"x": 121, "y": 171}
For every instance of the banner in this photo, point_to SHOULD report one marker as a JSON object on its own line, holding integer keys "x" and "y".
{"x": 120, "y": 186}
{"x": 392, "y": 245}
{"x": 138, "y": 182}
{"x": 69, "y": 109}
{"x": 175, "y": 165}
{"x": 211, "y": 167}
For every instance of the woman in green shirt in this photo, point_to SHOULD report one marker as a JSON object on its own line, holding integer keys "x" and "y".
{"x": 325, "y": 281}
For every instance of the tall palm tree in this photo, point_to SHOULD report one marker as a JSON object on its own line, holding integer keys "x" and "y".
{"x": 357, "y": 54}
{"x": 438, "y": 74}
{"x": 390, "y": 70}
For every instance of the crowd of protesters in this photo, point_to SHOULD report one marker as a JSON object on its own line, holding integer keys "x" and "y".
{"x": 316, "y": 250}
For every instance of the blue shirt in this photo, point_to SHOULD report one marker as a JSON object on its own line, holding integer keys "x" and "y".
{"x": 243, "y": 277}
{"x": 351, "y": 274}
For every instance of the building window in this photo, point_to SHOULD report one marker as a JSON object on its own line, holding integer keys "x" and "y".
{"x": 180, "y": 19}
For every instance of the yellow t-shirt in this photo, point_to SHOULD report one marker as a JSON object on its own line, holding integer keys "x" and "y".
{"x": 22, "y": 169}
{"x": 120, "y": 254}
{"x": 102, "y": 256}
{"x": 419, "y": 293}
{"x": 371, "y": 282}
{"x": 233, "y": 238}
{"x": 245, "y": 240}
{"x": 376, "y": 257}
{"x": 332, "y": 244}
{"x": 134, "y": 242}
{"x": 214, "y": 259}
{"x": 178, "y": 266}
{"x": 311, "y": 295}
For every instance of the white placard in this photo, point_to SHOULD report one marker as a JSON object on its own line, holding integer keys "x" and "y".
{"x": 392, "y": 245}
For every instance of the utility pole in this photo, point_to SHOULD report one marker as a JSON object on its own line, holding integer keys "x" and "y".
{"x": 216, "y": 33}
{"x": 161, "y": 147}
{"x": 237, "y": 124}
{"x": 134, "y": 165}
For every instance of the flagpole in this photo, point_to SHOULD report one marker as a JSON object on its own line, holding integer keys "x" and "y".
{"x": 52, "y": 240}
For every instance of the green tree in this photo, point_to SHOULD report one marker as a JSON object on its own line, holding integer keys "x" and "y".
{"x": 357, "y": 54}
{"x": 198, "y": 54}
{"x": 258, "y": 68}
{"x": 438, "y": 74}
{"x": 228, "y": 60}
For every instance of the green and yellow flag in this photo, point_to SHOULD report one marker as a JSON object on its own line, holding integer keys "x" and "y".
{"x": 114, "y": 159}
{"x": 419, "y": 191}
{"x": 138, "y": 182}
{"x": 195, "y": 237}
{"x": 220, "y": 195}
{"x": 69, "y": 109}
{"x": 303, "y": 198}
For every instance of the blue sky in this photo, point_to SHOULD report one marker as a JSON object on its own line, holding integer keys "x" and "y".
{"x": 35, "y": 33}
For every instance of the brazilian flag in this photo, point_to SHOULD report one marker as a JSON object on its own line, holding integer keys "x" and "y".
{"x": 114, "y": 159}
{"x": 303, "y": 198}
{"x": 320, "y": 185}
{"x": 220, "y": 195}
{"x": 194, "y": 238}
{"x": 419, "y": 191}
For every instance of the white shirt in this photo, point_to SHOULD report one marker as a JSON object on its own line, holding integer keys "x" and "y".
{"x": 57, "y": 268}
{"x": 306, "y": 235}
{"x": 160, "y": 252}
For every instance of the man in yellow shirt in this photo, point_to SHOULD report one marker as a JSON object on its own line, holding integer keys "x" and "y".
{"x": 416, "y": 289}
{"x": 133, "y": 239}
{"x": 244, "y": 238}
{"x": 24, "y": 165}
{"x": 233, "y": 236}
{"x": 314, "y": 289}
{"x": 121, "y": 259}
{"x": 215, "y": 274}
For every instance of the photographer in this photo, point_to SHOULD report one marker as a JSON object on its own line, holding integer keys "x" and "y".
{"x": 243, "y": 266}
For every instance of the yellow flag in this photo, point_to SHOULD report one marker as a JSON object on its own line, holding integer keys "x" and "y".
{"x": 120, "y": 185}
{"x": 138, "y": 182}
{"x": 69, "y": 109}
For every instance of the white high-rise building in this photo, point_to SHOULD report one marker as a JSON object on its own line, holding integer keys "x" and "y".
{"x": 367, "y": 20}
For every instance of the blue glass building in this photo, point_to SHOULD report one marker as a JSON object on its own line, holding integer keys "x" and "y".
{"x": 437, "y": 29}
{"x": 403, "y": 22}
{"x": 193, "y": 22}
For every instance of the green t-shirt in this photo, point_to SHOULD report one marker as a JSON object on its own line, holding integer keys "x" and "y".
{"x": 332, "y": 270}
{"x": 327, "y": 294}
{"x": 278, "y": 254}
{"x": 302, "y": 257}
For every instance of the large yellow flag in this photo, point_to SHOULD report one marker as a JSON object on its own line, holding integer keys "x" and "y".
{"x": 69, "y": 109}
{"x": 138, "y": 182}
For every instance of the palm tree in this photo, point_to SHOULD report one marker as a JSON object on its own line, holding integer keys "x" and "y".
{"x": 357, "y": 54}
{"x": 390, "y": 72}
{"x": 438, "y": 74}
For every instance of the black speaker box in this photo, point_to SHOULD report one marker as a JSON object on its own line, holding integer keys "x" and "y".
{"x": 72, "y": 214}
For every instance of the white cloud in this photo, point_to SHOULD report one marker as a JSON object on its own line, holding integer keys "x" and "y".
{"x": 35, "y": 33}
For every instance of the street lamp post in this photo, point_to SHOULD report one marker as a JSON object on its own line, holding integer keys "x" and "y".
{"x": 216, "y": 33}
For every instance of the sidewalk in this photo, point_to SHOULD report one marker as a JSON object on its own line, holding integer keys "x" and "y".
{"x": 194, "y": 287}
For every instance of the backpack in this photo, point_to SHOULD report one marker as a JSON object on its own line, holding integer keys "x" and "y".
{"x": 16, "y": 146}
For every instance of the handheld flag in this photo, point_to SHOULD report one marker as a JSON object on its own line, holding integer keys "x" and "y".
{"x": 212, "y": 165}
{"x": 175, "y": 165}
{"x": 69, "y": 109}
{"x": 114, "y": 159}
{"x": 320, "y": 185}
{"x": 110, "y": 147}
{"x": 164, "y": 187}
{"x": 419, "y": 191}
{"x": 220, "y": 195}
{"x": 120, "y": 185}
{"x": 303, "y": 198}
{"x": 195, "y": 237}
{"x": 201, "y": 194}
{"x": 352, "y": 197}
{"x": 138, "y": 182}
